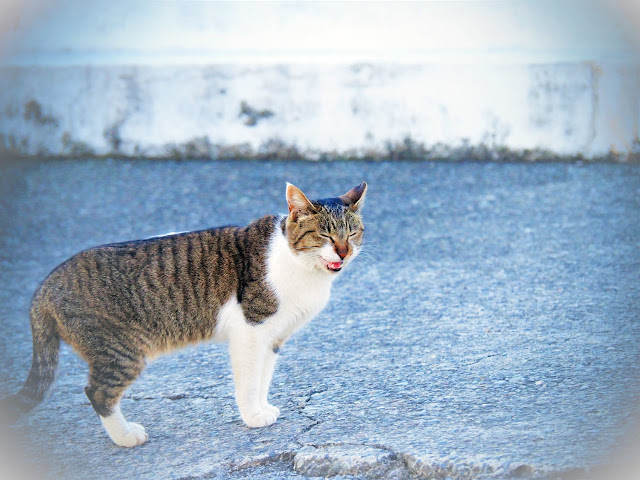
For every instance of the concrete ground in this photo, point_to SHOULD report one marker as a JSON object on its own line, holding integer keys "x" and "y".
{"x": 490, "y": 329}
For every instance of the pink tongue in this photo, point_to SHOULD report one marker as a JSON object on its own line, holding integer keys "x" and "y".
{"x": 335, "y": 265}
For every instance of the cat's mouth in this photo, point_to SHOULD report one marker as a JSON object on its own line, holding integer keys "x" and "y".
{"x": 332, "y": 266}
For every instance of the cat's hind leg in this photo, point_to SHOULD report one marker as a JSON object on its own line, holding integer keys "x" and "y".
{"x": 107, "y": 382}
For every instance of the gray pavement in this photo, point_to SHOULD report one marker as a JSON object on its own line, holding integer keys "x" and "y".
{"x": 490, "y": 330}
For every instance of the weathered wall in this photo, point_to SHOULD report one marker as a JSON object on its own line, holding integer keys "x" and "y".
{"x": 353, "y": 109}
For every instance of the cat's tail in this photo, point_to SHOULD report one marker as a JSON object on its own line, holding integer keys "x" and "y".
{"x": 46, "y": 346}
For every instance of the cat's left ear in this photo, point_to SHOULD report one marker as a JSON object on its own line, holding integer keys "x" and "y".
{"x": 355, "y": 197}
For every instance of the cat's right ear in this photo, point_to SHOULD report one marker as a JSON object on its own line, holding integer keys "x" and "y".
{"x": 298, "y": 202}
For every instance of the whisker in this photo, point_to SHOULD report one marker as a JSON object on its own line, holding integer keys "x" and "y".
{"x": 368, "y": 261}
{"x": 367, "y": 250}
{"x": 370, "y": 254}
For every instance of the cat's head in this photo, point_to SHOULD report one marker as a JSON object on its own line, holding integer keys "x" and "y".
{"x": 325, "y": 234}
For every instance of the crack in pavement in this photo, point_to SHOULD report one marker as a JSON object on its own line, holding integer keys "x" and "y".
{"x": 301, "y": 407}
{"x": 172, "y": 397}
{"x": 484, "y": 357}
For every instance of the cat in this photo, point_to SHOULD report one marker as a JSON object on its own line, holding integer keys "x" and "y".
{"x": 120, "y": 304}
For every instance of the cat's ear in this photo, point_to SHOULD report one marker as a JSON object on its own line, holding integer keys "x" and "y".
{"x": 298, "y": 202}
{"x": 354, "y": 198}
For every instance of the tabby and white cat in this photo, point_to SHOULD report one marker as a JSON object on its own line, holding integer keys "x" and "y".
{"x": 120, "y": 304}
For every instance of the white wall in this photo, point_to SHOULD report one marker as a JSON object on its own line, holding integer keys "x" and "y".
{"x": 150, "y": 78}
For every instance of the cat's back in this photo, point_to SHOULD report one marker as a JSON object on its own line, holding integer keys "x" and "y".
{"x": 189, "y": 274}
{"x": 154, "y": 263}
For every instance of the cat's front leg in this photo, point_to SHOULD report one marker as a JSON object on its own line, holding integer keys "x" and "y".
{"x": 267, "y": 373}
{"x": 248, "y": 355}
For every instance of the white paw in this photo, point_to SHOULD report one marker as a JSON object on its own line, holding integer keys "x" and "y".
{"x": 263, "y": 418}
{"x": 274, "y": 410}
{"x": 136, "y": 435}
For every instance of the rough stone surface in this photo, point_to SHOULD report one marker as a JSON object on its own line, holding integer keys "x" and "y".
{"x": 332, "y": 460}
{"x": 490, "y": 329}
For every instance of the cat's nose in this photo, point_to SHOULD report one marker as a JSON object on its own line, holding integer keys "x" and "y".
{"x": 342, "y": 249}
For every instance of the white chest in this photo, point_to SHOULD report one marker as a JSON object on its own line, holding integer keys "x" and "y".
{"x": 298, "y": 297}
{"x": 302, "y": 293}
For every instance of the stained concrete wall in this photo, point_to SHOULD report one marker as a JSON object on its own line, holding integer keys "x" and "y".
{"x": 357, "y": 110}
{"x": 286, "y": 80}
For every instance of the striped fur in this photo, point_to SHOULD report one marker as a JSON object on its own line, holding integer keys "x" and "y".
{"x": 120, "y": 304}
